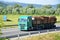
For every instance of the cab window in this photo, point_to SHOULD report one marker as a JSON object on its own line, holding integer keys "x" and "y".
{"x": 23, "y": 20}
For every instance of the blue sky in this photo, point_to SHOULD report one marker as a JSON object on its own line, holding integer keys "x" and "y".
{"x": 43, "y": 2}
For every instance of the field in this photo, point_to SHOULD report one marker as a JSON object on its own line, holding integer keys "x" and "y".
{"x": 14, "y": 19}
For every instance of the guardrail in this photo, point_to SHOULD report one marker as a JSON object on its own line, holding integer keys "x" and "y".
{"x": 29, "y": 33}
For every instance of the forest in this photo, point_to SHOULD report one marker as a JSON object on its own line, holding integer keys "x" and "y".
{"x": 29, "y": 9}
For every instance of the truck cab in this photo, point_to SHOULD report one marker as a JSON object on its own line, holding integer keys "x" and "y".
{"x": 24, "y": 22}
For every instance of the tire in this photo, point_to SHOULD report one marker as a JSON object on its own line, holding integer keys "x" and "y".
{"x": 54, "y": 26}
{"x": 30, "y": 28}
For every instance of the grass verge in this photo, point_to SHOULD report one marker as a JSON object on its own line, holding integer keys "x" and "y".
{"x": 50, "y": 36}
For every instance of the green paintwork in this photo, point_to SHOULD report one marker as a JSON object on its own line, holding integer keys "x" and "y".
{"x": 24, "y": 22}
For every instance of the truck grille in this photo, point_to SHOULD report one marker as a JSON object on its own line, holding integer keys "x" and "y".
{"x": 22, "y": 26}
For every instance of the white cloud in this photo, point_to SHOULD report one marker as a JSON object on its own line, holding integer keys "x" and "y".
{"x": 40, "y": 1}
{"x": 36, "y": 1}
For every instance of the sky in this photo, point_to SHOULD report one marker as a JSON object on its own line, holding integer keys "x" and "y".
{"x": 43, "y": 2}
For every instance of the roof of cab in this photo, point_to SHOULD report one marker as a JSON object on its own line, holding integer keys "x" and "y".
{"x": 24, "y": 16}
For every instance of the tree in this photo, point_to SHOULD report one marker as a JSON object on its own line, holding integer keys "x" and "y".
{"x": 17, "y": 5}
{"x": 47, "y": 6}
{"x": 43, "y": 11}
{"x": 57, "y": 11}
{"x": 58, "y": 5}
{"x": 50, "y": 11}
{"x": 17, "y": 9}
{"x": 30, "y": 6}
{"x": 9, "y": 9}
{"x": 1, "y": 9}
{"x": 30, "y": 11}
{"x": 4, "y": 11}
{"x": 14, "y": 11}
{"x": 38, "y": 11}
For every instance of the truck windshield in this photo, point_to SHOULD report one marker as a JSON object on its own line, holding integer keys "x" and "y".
{"x": 23, "y": 20}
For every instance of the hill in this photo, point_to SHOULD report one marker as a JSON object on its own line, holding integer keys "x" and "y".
{"x": 4, "y": 4}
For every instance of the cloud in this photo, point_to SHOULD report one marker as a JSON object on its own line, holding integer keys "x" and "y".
{"x": 44, "y": 2}
{"x": 40, "y": 1}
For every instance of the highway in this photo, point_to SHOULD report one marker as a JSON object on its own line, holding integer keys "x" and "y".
{"x": 14, "y": 32}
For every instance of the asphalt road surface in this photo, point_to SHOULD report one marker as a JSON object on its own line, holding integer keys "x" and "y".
{"x": 13, "y": 32}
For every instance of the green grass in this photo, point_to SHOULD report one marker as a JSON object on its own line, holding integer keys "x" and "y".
{"x": 49, "y": 36}
{"x": 13, "y": 18}
{"x": 4, "y": 39}
{"x": 58, "y": 19}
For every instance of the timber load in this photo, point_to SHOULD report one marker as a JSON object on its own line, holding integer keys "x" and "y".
{"x": 45, "y": 21}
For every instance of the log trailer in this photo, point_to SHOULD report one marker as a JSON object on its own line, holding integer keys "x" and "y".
{"x": 36, "y": 22}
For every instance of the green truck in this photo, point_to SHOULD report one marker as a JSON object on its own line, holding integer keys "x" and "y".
{"x": 36, "y": 23}
{"x": 25, "y": 22}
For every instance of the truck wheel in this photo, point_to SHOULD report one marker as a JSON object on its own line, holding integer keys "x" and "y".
{"x": 30, "y": 28}
{"x": 54, "y": 26}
